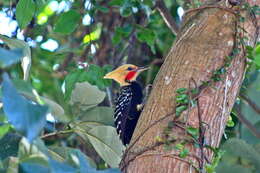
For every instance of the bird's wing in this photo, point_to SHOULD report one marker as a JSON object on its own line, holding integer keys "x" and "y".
{"x": 122, "y": 110}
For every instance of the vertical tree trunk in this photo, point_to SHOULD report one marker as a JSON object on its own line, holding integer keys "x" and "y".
{"x": 207, "y": 37}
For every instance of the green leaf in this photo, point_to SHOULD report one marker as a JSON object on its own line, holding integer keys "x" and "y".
{"x": 34, "y": 162}
{"x": 67, "y": 22}
{"x": 193, "y": 131}
{"x": 126, "y": 10}
{"x": 210, "y": 168}
{"x": 230, "y": 122}
{"x": 184, "y": 153}
{"x": 71, "y": 79}
{"x": 27, "y": 117}
{"x": 179, "y": 146}
{"x": 100, "y": 114}
{"x": 121, "y": 32}
{"x": 180, "y": 109}
{"x": 124, "y": 31}
{"x": 182, "y": 98}
{"x": 102, "y": 8}
{"x": 106, "y": 142}
{"x": 4, "y": 129}
{"x": 24, "y": 12}
{"x": 146, "y": 35}
{"x": 26, "y": 58}
{"x": 40, "y": 4}
{"x": 11, "y": 165}
{"x": 257, "y": 59}
{"x": 26, "y": 90}
{"x": 9, "y": 57}
{"x": 64, "y": 154}
{"x": 94, "y": 75}
{"x": 257, "y": 49}
{"x": 86, "y": 96}
{"x": 116, "y": 2}
{"x": 181, "y": 90}
{"x": 56, "y": 110}
{"x": 78, "y": 160}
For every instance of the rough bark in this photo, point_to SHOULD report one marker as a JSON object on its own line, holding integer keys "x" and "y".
{"x": 206, "y": 38}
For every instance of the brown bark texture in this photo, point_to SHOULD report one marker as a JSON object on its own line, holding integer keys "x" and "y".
{"x": 207, "y": 36}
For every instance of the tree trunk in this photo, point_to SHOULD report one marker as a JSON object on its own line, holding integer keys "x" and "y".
{"x": 207, "y": 36}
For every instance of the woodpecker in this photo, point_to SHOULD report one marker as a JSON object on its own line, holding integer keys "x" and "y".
{"x": 128, "y": 102}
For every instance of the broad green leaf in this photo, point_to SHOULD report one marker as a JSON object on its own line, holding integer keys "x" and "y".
{"x": 34, "y": 162}
{"x": 94, "y": 75}
{"x": 26, "y": 116}
{"x": 4, "y": 129}
{"x": 71, "y": 79}
{"x": 24, "y": 12}
{"x": 26, "y": 58}
{"x": 67, "y": 22}
{"x": 106, "y": 142}
{"x": 99, "y": 114}
{"x": 146, "y": 35}
{"x": 61, "y": 167}
{"x": 25, "y": 88}
{"x": 80, "y": 162}
{"x": 257, "y": 59}
{"x": 11, "y": 165}
{"x": 9, "y": 57}
{"x": 86, "y": 96}
{"x": 116, "y": 2}
{"x": 40, "y": 5}
{"x": 257, "y": 49}
{"x": 121, "y": 32}
{"x": 27, "y": 149}
{"x": 56, "y": 110}
{"x": 124, "y": 31}
{"x": 81, "y": 126}
{"x": 64, "y": 154}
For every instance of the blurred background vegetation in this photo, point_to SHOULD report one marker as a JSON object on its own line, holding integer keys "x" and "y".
{"x": 65, "y": 48}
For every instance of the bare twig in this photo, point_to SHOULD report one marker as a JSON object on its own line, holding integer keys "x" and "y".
{"x": 56, "y": 133}
{"x": 167, "y": 17}
{"x": 250, "y": 103}
{"x": 201, "y": 130}
{"x": 248, "y": 124}
{"x": 212, "y": 6}
{"x": 109, "y": 94}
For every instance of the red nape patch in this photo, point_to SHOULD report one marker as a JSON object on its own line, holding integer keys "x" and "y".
{"x": 130, "y": 75}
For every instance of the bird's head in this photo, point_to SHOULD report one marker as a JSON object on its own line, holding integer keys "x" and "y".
{"x": 125, "y": 74}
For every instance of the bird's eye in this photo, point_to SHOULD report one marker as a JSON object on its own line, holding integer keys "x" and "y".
{"x": 129, "y": 68}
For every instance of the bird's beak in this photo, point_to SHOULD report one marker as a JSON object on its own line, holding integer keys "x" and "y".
{"x": 108, "y": 76}
{"x": 140, "y": 69}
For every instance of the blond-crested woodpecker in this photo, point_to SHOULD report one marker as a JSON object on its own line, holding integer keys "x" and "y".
{"x": 129, "y": 100}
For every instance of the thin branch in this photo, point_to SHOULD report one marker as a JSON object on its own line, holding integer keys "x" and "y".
{"x": 56, "y": 133}
{"x": 248, "y": 124}
{"x": 167, "y": 17}
{"x": 250, "y": 103}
